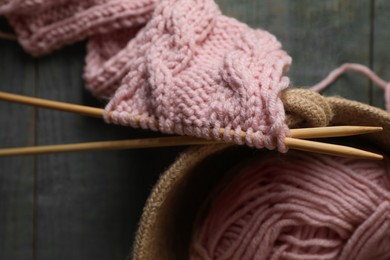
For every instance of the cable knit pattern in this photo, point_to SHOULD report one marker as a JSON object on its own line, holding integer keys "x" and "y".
{"x": 192, "y": 71}
{"x": 57, "y": 23}
{"x": 103, "y": 70}
{"x": 189, "y": 70}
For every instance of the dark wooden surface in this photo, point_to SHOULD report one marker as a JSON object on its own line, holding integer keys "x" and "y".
{"x": 87, "y": 205}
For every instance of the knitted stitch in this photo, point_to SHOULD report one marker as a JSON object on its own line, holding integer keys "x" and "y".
{"x": 102, "y": 72}
{"x": 57, "y": 23}
{"x": 190, "y": 70}
{"x": 194, "y": 71}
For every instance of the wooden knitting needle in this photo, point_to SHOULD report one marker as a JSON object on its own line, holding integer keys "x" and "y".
{"x": 8, "y": 36}
{"x": 97, "y": 112}
{"x": 107, "y": 145}
{"x": 292, "y": 143}
{"x": 333, "y": 131}
{"x": 323, "y": 132}
{"x": 56, "y": 105}
{"x": 316, "y": 132}
{"x": 330, "y": 149}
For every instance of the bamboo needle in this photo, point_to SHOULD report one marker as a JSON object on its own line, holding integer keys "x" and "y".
{"x": 292, "y": 143}
{"x": 330, "y": 149}
{"x": 8, "y": 36}
{"x": 318, "y": 132}
{"x": 333, "y": 131}
{"x": 62, "y": 106}
{"x": 107, "y": 145}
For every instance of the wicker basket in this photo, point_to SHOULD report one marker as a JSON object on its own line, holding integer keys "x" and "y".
{"x": 169, "y": 215}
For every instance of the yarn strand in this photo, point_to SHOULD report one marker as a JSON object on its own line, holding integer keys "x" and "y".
{"x": 333, "y": 75}
{"x": 297, "y": 206}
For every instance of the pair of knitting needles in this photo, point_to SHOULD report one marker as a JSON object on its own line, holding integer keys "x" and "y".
{"x": 293, "y": 142}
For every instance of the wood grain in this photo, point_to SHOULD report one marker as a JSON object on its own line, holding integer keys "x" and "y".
{"x": 381, "y": 52}
{"x": 87, "y": 202}
{"x": 17, "y": 74}
{"x": 319, "y": 35}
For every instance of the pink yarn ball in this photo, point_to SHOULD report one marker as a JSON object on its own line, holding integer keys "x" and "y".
{"x": 299, "y": 206}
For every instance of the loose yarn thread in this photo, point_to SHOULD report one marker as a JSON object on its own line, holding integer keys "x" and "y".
{"x": 299, "y": 206}
{"x": 333, "y": 75}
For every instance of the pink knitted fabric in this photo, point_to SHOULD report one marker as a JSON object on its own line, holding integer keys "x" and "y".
{"x": 103, "y": 73}
{"x": 43, "y": 26}
{"x": 299, "y": 207}
{"x": 193, "y": 71}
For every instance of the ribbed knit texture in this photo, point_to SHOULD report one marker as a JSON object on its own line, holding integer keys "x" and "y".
{"x": 43, "y": 26}
{"x": 194, "y": 71}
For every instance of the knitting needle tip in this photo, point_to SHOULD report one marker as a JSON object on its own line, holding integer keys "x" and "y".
{"x": 330, "y": 149}
{"x": 334, "y": 131}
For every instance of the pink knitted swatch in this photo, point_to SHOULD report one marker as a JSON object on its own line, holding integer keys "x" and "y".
{"x": 45, "y": 25}
{"x": 193, "y": 71}
{"x": 299, "y": 207}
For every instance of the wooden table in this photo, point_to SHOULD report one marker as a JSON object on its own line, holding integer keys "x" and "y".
{"x": 87, "y": 205}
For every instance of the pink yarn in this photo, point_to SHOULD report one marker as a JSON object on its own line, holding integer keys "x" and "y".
{"x": 189, "y": 70}
{"x": 333, "y": 75}
{"x": 299, "y": 207}
{"x": 105, "y": 61}
{"x": 193, "y": 71}
{"x": 45, "y": 25}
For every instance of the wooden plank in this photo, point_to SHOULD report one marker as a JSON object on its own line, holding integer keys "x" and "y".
{"x": 16, "y": 174}
{"x": 89, "y": 204}
{"x": 381, "y": 59}
{"x": 319, "y": 35}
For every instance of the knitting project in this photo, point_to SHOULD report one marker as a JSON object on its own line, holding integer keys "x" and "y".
{"x": 45, "y": 25}
{"x": 192, "y": 71}
{"x": 182, "y": 66}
